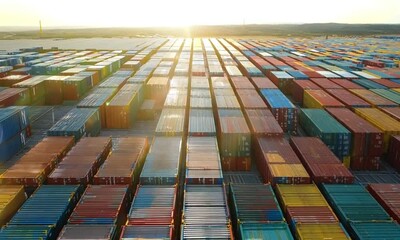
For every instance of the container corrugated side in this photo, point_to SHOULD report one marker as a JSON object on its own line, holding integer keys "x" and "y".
{"x": 82, "y": 231}
{"x": 375, "y": 230}
{"x": 387, "y": 195}
{"x": 321, "y": 231}
{"x": 162, "y": 232}
{"x": 265, "y": 231}
{"x": 171, "y": 122}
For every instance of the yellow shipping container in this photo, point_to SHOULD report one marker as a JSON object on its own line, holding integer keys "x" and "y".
{"x": 289, "y": 170}
{"x": 310, "y": 102}
{"x": 388, "y": 125}
{"x": 396, "y": 89}
{"x": 303, "y": 195}
{"x": 11, "y": 199}
{"x": 320, "y": 231}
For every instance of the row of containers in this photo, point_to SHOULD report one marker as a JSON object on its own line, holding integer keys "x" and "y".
{"x": 253, "y": 209}
{"x": 235, "y": 104}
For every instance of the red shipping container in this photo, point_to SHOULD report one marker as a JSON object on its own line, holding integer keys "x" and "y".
{"x": 313, "y": 74}
{"x": 320, "y": 162}
{"x": 263, "y": 82}
{"x": 15, "y": 96}
{"x": 10, "y": 80}
{"x": 250, "y": 99}
{"x": 394, "y": 152}
{"x": 367, "y": 140}
{"x": 319, "y": 99}
{"x": 242, "y": 83}
{"x": 394, "y": 112}
{"x": 298, "y": 88}
{"x": 386, "y": 83}
{"x": 122, "y": 166}
{"x": 348, "y": 98}
{"x": 346, "y": 84}
{"x": 263, "y": 123}
{"x": 310, "y": 214}
{"x": 325, "y": 83}
{"x": 388, "y": 196}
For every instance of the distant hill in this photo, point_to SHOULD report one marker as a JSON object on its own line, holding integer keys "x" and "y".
{"x": 303, "y": 30}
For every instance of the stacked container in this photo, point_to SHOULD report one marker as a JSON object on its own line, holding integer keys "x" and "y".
{"x": 11, "y": 199}
{"x": 163, "y": 162}
{"x": 121, "y": 111}
{"x": 124, "y": 163}
{"x": 78, "y": 122}
{"x": 382, "y": 121}
{"x": 322, "y": 165}
{"x": 351, "y": 202}
{"x": 278, "y": 163}
{"x": 15, "y": 129}
{"x": 203, "y": 164}
{"x": 367, "y": 140}
{"x": 254, "y": 206}
{"x": 205, "y": 213}
{"x": 15, "y": 97}
{"x": 234, "y": 140}
{"x": 82, "y": 162}
{"x": 283, "y": 110}
{"x": 387, "y": 195}
{"x": 308, "y": 213}
{"x": 318, "y": 123}
{"x": 43, "y": 214}
{"x": 41, "y": 159}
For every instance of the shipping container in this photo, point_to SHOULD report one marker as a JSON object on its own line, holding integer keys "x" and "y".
{"x": 201, "y": 122}
{"x": 284, "y": 110}
{"x": 200, "y": 83}
{"x": 367, "y": 141}
{"x": 345, "y": 200}
{"x": 322, "y": 165}
{"x": 15, "y": 96}
{"x": 262, "y": 123}
{"x": 250, "y": 99}
{"x": 373, "y": 98}
{"x": 88, "y": 231}
{"x": 299, "y": 88}
{"x": 124, "y": 163}
{"x": 163, "y": 161}
{"x": 171, "y": 122}
{"x": 37, "y": 89}
{"x": 393, "y": 156}
{"x": 75, "y": 87}
{"x": 263, "y": 83}
{"x": 122, "y": 110}
{"x": 277, "y": 162}
{"x": 347, "y": 98}
{"x": 82, "y": 162}
{"x": 205, "y": 213}
{"x": 78, "y": 122}
{"x": 176, "y": 98}
{"x": 253, "y": 203}
{"x": 346, "y": 84}
{"x": 318, "y": 123}
{"x": 392, "y": 96}
{"x": 147, "y": 110}
{"x": 321, "y": 231}
{"x": 101, "y": 205}
{"x": 41, "y": 160}
{"x": 387, "y": 195}
{"x": 282, "y": 79}
{"x": 49, "y": 205}
{"x": 382, "y": 121}
{"x": 54, "y": 90}
{"x": 234, "y": 140}
{"x": 319, "y": 99}
{"x": 325, "y": 83}
{"x": 153, "y": 206}
{"x": 11, "y": 199}
{"x": 200, "y": 98}
{"x": 265, "y": 231}
{"x": 28, "y": 232}
{"x": 98, "y": 99}
{"x": 392, "y": 111}
{"x": 10, "y": 80}
{"x": 203, "y": 164}
{"x": 150, "y": 232}
{"x": 375, "y": 230}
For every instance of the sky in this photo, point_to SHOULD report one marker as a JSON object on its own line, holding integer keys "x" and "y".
{"x": 173, "y": 13}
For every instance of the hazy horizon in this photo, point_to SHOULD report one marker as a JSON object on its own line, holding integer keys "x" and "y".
{"x": 179, "y": 13}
